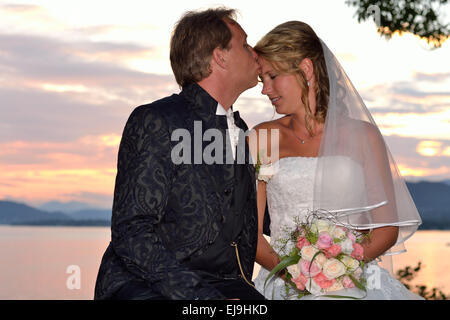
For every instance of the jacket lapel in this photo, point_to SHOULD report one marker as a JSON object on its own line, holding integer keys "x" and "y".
{"x": 203, "y": 108}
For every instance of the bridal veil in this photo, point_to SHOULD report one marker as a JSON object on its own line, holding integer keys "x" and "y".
{"x": 357, "y": 181}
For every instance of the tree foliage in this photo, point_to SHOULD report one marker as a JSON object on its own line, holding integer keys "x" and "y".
{"x": 419, "y": 17}
{"x": 409, "y": 273}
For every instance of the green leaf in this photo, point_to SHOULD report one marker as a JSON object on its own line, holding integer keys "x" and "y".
{"x": 357, "y": 283}
{"x": 285, "y": 262}
{"x": 311, "y": 237}
{"x": 313, "y": 258}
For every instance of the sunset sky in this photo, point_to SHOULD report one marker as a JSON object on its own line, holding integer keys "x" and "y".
{"x": 71, "y": 72}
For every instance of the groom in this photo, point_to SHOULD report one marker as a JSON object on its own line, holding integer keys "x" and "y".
{"x": 187, "y": 230}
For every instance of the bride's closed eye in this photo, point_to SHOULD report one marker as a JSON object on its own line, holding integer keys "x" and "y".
{"x": 271, "y": 76}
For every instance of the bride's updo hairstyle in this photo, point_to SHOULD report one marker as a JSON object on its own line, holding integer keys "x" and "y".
{"x": 284, "y": 48}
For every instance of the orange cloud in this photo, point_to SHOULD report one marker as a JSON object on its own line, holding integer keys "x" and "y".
{"x": 35, "y": 171}
{"x": 36, "y": 184}
{"x": 422, "y": 172}
{"x": 429, "y": 148}
{"x": 432, "y": 148}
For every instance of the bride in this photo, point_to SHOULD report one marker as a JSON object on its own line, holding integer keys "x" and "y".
{"x": 329, "y": 156}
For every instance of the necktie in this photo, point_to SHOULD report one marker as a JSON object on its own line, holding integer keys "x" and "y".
{"x": 233, "y": 131}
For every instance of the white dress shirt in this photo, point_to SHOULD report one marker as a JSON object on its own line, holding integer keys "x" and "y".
{"x": 233, "y": 130}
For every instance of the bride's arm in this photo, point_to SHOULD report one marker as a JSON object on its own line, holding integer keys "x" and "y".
{"x": 381, "y": 239}
{"x": 265, "y": 255}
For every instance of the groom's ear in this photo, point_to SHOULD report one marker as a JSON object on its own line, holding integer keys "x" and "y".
{"x": 219, "y": 56}
{"x": 307, "y": 67}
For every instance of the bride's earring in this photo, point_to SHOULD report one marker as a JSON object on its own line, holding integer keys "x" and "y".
{"x": 307, "y": 82}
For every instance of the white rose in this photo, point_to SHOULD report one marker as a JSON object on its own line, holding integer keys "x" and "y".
{"x": 320, "y": 260}
{"x": 308, "y": 252}
{"x": 337, "y": 285}
{"x": 333, "y": 268}
{"x": 294, "y": 270}
{"x": 347, "y": 246}
{"x": 338, "y": 233}
{"x": 350, "y": 263}
{"x": 321, "y": 225}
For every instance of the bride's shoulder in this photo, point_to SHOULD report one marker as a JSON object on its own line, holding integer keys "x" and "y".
{"x": 371, "y": 130}
{"x": 279, "y": 124}
{"x": 361, "y": 127}
{"x": 368, "y": 133}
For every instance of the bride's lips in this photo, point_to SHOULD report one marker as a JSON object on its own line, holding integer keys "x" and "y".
{"x": 275, "y": 100}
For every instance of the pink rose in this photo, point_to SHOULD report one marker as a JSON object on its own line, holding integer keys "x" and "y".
{"x": 308, "y": 269}
{"x": 325, "y": 240}
{"x": 323, "y": 281}
{"x": 300, "y": 282}
{"x": 301, "y": 242}
{"x": 358, "y": 251}
{"x": 333, "y": 251}
{"x": 347, "y": 282}
{"x": 351, "y": 236}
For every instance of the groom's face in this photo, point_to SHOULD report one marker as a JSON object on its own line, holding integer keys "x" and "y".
{"x": 243, "y": 64}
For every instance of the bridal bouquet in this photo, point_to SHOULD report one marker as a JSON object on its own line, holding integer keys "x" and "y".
{"x": 325, "y": 258}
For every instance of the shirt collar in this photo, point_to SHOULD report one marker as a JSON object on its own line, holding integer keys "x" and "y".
{"x": 220, "y": 111}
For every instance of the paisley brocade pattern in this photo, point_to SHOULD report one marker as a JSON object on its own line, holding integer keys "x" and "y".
{"x": 164, "y": 213}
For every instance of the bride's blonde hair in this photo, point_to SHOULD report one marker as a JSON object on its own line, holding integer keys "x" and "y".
{"x": 284, "y": 48}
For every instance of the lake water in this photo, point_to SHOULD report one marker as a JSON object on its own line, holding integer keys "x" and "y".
{"x": 35, "y": 262}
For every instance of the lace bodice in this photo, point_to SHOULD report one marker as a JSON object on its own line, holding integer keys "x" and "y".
{"x": 290, "y": 192}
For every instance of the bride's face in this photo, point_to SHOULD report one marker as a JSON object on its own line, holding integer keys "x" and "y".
{"x": 283, "y": 90}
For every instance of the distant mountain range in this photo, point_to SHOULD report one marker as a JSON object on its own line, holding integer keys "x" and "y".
{"x": 431, "y": 198}
{"x": 14, "y": 213}
{"x": 433, "y": 202}
{"x": 65, "y": 207}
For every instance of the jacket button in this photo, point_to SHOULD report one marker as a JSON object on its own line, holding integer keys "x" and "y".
{"x": 227, "y": 192}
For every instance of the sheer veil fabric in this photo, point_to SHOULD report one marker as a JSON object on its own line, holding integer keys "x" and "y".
{"x": 357, "y": 182}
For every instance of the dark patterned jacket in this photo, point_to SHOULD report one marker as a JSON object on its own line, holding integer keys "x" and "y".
{"x": 164, "y": 213}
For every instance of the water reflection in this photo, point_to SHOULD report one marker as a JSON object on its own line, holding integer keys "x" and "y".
{"x": 35, "y": 260}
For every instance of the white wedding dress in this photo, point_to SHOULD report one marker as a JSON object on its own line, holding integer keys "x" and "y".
{"x": 289, "y": 195}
